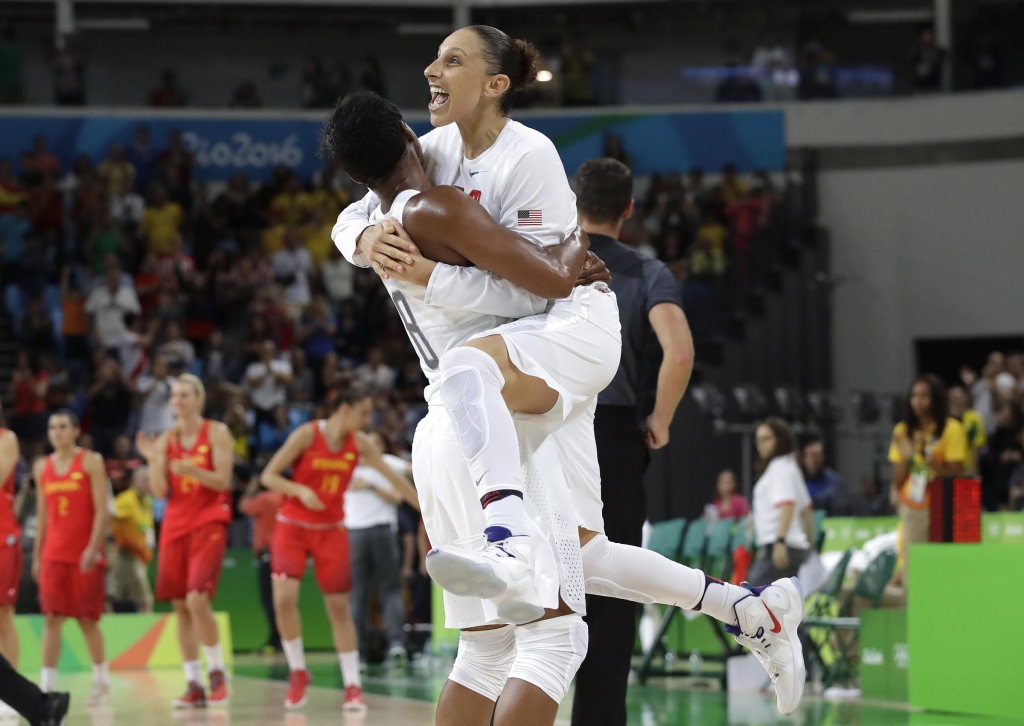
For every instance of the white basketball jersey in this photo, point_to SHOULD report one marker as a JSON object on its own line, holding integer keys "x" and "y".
{"x": 433, "y": 330}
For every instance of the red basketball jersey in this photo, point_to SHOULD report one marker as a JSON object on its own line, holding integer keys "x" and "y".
{"x": 326, "y": 472}
{"x": 69, "y": 510}
{"x": 8, "y": 522}
{"x": 189, "y": 503}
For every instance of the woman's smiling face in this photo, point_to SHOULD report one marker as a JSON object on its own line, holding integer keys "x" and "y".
{"x": 459, "y": 79}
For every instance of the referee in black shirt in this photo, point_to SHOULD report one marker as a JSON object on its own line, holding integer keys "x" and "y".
{"x": 648, "y": 297}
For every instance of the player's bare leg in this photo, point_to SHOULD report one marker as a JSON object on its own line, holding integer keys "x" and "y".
{"x": 461, "y": 706}
{"x": 94, "y": 643}
{"x": 10, "y": 646}
{"x": 346, "y": 643}
{"x": 52, "y": 626}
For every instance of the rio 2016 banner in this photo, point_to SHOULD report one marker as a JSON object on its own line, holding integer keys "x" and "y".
{"x": 226, "y": 142}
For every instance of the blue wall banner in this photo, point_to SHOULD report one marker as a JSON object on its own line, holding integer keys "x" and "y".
{"x": 255, "y": 143}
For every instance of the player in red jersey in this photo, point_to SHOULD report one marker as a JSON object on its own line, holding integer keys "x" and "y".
{"x": 322, "y": 456}
{"x": 10, "y": 549}
{"x": 191, "y": 465}
{"x": 67, "y": 559}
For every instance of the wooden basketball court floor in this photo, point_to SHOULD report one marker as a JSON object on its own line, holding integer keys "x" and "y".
{"x": 406, "y": 697}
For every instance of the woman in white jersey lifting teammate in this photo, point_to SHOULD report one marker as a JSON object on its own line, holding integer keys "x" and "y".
{"x": 516, "y": 175}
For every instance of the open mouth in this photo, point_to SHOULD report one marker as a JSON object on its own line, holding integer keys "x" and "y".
{"x": 438, "y": 98}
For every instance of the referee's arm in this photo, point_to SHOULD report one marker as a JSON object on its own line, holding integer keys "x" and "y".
{"x": 669, "y": 323}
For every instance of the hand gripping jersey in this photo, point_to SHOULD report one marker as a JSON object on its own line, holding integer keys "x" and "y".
{"x": 69, "y": 510}
{"x": 8, "y": 522}
{"x": 328, "y": 473}
{"x": 189, "y": 503}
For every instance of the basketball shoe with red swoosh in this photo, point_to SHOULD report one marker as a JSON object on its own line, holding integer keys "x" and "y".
{"x": 768, "y": 622}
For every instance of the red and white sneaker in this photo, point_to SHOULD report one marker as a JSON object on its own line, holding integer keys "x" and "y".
{"x": 297, "y": 682}
{"x": 768, "y": 622}
{"x": 195, "y": 697}
{"x": 354, "y": 700}
{"x": 218, "y": 688}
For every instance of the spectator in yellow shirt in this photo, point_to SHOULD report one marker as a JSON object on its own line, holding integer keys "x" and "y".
{"x": 117, "y": 173}
{"x": 974, "y": 426}
{"x": 926, "y": 444}
{"x": 132, "y": 527}
{"x": 161, "y": 221}
{"x": 292, "y": 205}
{"x": 317, "y": 235}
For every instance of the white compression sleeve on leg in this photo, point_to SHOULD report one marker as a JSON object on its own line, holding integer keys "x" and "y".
{"x": 484, "y": 660}
{"x": 471, "y": 384}
{"x": 633, "y": 573}
{"x": 549, "y": 652}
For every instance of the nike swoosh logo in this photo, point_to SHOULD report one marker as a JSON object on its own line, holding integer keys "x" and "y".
{"x": 778, "y": 625}
{"x": 474, "y": 173}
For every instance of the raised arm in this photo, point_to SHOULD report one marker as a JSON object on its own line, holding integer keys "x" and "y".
{"x": 223, "y": 453}
{"x": 154, "y": 450}
{"x": 445, "y": 217}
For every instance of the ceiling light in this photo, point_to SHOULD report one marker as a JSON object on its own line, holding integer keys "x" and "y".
{"x": 544, "y": 76}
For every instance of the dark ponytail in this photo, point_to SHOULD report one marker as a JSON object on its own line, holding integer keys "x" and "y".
{"x": 517, "y": 59}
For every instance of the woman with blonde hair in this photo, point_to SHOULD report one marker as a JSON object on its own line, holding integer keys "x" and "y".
{"x": 191, "y": 465}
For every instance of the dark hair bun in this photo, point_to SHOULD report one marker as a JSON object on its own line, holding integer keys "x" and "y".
{"x": 529, "y": 64}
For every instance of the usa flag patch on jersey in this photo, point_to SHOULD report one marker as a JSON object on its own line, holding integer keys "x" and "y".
{"x": 530, "y": 217}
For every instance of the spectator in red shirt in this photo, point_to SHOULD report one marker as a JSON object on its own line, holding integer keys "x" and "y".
{"x": 28, "y": 389}
{"x": 168, "y": 95}
{"x": 262, "y": 506}
{"x": 44, "y": 162}
{"x": 729, "y": 503}
{"x": 121, "y": 466}
{"x": 175, "y": 165}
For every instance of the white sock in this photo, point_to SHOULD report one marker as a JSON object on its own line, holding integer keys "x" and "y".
{"x": 633, "y": 573}
{"x": 294, "y": 653}
{"x": 350, "y": 668}
{"x": 507, "y": 512}
{"x": 720, "y": 599}
{"x": 193, "y": 671}
{"x": 214, "y": 657}
{"x": 471, "y": 384}
{"x": 47, "y": 679}
{"x": 101, "y": 674}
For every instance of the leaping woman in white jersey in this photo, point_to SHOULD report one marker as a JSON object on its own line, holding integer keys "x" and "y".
{"x": 537, "y": 366}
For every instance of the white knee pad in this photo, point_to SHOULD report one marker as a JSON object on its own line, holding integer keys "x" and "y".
{"x": 549, "y": 652}
{"x": 464, "y": 373}
{"x": 484, "y": 660}
{"x": 599, "y": 573}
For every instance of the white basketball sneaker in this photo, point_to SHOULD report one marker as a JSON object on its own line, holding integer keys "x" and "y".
{"x": 768, "y": 621}
{"x": 496, "y": 565}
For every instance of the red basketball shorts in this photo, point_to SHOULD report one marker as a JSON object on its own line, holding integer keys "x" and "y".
{"x": 191, "y": 563}
{"x": 293, "y": 545}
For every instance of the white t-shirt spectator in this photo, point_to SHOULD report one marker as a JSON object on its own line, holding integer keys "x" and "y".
{"x": 364, "y": 507}
{"x": 338, "y": 277}
{"x": 179, "y": 353}
{"x": 770, "y": 59}
{"x": 781, "y": 483}
{"x": 376, "y": 379}
{"x": 295, "y": 264}
{"x": 108, "y": 311}
{"x": 156, "y": 415}
{"x": 269, "y": 392}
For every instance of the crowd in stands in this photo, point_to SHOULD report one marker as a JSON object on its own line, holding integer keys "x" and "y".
{"x": 713, "y": 235}
{"x": 990, "y": 407}
{"x": 121, "y": 274}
